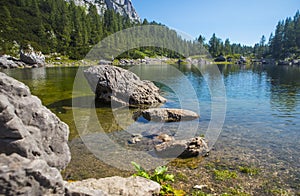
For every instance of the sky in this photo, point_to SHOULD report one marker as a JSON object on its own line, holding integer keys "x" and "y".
{"x": 242, "y": 21}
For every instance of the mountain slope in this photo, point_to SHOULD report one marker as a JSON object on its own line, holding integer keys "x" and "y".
{"x": 122, "y": 7}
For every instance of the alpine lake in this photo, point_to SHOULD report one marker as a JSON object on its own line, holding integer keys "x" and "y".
{"x": 257, "y": 151}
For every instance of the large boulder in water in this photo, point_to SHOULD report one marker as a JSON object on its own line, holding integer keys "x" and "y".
{"x": 114, "y": 84}
{"x": 169, "y": 115}
{"x": 22, "y": 176}
{"x": 28, "y": 128}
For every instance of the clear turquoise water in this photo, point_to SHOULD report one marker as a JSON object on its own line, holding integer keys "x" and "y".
{"x": 262, "y": 124}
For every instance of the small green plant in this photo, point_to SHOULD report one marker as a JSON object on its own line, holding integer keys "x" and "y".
{"x": 249, "y": 170}
{"x": 224, "y": 174}
{"x": 200, "y": 193}
{"x": 236, "y": 191}
{"x": 182, "y": 177}
{"x": 278, "y": 191}
{"x": 160, "y": 176}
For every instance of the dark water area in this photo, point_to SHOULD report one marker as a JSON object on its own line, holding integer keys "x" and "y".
{"x": 261, "y": 128}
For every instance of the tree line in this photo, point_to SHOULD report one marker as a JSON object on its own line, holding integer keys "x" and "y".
{"x": 56, "y": 26}
{"x": 62, "y": 27}
{"x": 284, "y": 43}
{"x": 217, "y": 47}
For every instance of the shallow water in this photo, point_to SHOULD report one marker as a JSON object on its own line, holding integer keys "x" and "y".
{"x": 262, "y": 123}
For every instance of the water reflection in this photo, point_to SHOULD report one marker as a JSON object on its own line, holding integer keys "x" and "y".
{"x": 285, "y": 84}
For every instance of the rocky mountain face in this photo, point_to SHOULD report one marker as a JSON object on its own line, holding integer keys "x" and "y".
{"x": 123, "y": 7}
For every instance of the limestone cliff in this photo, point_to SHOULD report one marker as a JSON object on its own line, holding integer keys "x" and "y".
{"x": 123, "y": 7}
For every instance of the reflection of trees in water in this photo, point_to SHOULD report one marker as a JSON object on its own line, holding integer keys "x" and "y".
{"x": 283, "y": 81}
{"x": 285, "y": 88}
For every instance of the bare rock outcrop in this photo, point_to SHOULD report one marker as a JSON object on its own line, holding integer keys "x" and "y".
{"x": 31, "y": 57}
{"x": 28, "y": 128}
{"x": 114, "y": 186}
{"x": 22, "y": 176}
{"x": 114, "y": 84}
{"x": 122, "y": 7}
{"x": 9, "y": 62}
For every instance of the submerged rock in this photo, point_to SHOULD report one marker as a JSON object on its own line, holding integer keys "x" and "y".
{"x": 22, "y": 176}
{"x": 114, "y": 186}
{"x": 183, "y": 148}
{"x": 117, "y": 85}
{"x": 168, "y": 115}
{"x": 28, "y": 128}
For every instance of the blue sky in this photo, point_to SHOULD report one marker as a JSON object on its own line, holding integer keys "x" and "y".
{"x": 242, "y": 21}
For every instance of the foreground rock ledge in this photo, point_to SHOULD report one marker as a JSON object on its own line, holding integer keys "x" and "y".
{"x": 169, "y": 115}
{"x": 30, "y": 129}
{"x": 120, "y": 86}
{"x": 22, "y": 176}
{"x": 114, "y": 186}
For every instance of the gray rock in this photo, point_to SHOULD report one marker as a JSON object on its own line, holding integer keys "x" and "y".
{"x": 117, "y": 85}
{"x": 183, "y": 148}
{"x": 284, "y": 63}
{"x": 296, "y": 62}
{"x": 22, "y": 176}
{"x": 31, "y": 57}
{"x": 168, "y": 115}
{"x": 28, "y": 128}
{"x": 8, "y": 62}
{"x": 122, "y": 7}
{"x": 164, "y": 137}
{"x": 114, "y": 186}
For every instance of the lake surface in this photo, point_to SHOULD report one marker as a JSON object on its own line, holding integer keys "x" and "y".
{"x": 261, "y": 128}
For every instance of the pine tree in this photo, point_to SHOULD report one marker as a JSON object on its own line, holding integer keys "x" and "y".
{"x": 145, "y": 22}
{"x": 289, "y": 37}
{"x": 227, "y": 47}
{"x": 297, "y": 30}
{"x": 215, "y": 46}
{"x": 276, "y": 45}
{"x": 20, "y": 3}
{"x": 201, "y": 39}
{"x": 95, "y": 25}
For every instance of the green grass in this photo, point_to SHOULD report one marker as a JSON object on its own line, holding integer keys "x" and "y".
{"x": 200, "y": 193}
{"x": 249, "y": 170}
{"x": 223, "y": 63}
{"x": 224, "y": 175}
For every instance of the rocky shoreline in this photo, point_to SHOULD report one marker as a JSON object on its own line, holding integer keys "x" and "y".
{"x": 33, "y": 150}
{"x": 34, "y": 145}
{"x": 28, "y": 59}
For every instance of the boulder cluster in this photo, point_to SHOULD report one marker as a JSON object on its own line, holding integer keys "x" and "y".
{"x": 121, "y": 87}
{"x": 28, "y": 58}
